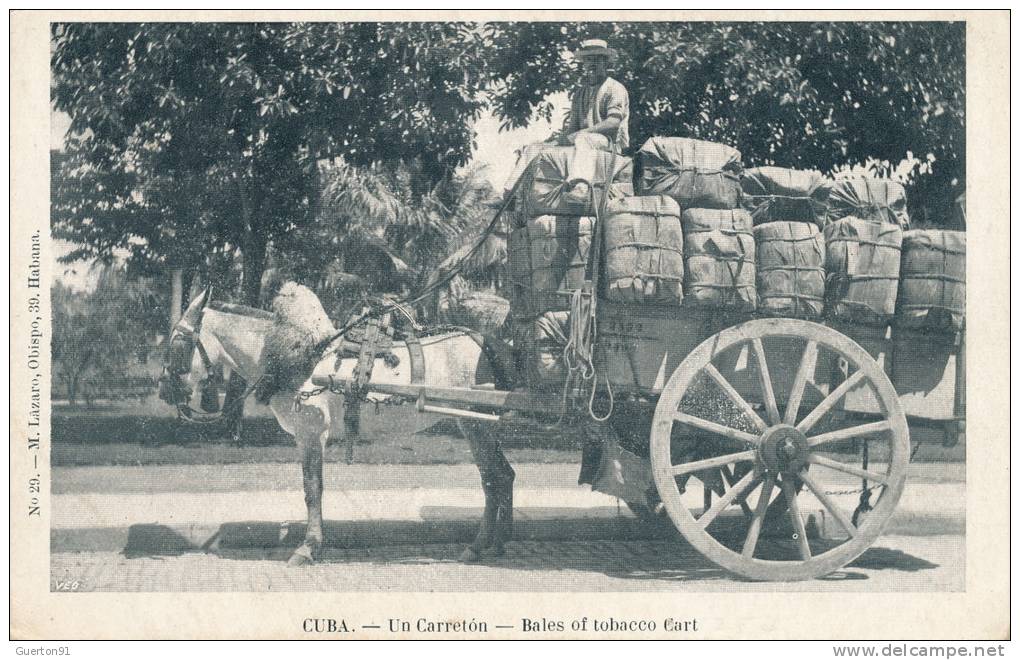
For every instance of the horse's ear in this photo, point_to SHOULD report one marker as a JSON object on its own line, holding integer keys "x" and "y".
{"x": 193, "y": 315}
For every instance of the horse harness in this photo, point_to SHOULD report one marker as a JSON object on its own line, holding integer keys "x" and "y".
{"x": 375, "y": 341}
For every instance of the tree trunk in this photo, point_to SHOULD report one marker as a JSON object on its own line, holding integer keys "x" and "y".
{"x": 187, "y": 279}
{"x": 254, "y": 266}
{"x": 176, "y": 296}
{"x": 433, "y": 172}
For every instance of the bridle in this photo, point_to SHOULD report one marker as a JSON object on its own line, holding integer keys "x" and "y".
{"x": 184, "y": 341}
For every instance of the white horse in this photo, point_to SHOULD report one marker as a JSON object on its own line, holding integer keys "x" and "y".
{"x": 213, "y": 336}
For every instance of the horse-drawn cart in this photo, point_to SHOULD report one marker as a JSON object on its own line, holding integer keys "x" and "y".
{"x": 777, "y": 446}
{"x": 766, "y": 413}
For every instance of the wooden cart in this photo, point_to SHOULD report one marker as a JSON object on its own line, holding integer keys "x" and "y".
{"x": 767, "y": 413}
{"x": 801, "y": 397}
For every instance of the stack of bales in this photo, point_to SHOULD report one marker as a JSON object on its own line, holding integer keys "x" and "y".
{"x": 787, "y": 219}
{"x": 550, "y": 244}
{"x": 880, "y": 270}
{"x": 933, "y": 281}
{"x": 718, "y": 246}
{"x": 687, "y": 225}
{"x": 864, "y": 223}
{"x": 643, "y": 261}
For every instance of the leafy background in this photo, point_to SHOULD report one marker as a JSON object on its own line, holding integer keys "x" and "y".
{"x": 340, "y": 154}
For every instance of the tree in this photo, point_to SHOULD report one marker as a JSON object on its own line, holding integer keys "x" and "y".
{"x": 811, "y": 95}
{"x": 371, "y": 223}
{"x": 97, "y": 334}
{"x": 162, "y": 112}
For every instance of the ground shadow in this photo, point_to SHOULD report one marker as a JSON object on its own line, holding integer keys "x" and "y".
{"x": 158, "y": 431}
{"x": 616, "y": 546}
{"x": 153, "y": 540}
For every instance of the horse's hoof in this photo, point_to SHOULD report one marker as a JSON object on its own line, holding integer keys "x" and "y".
{"x": 469, "y": 556}
{"x": 301, "y": 557}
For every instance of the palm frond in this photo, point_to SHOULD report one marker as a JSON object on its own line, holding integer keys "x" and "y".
{"x": 491, "y": 253}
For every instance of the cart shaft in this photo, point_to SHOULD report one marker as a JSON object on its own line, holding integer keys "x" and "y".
{"x": 468, "y": 396}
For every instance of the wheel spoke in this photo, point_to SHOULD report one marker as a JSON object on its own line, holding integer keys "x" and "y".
{"x": 709, "y": 463}
{"x": 766, "y": 381}
{"x": 804, "y": 372}
{"x": 730, "y": 479}
{"x": 829, "y": 401}
{"x": 733, "y": 395}
{"x": 715, "y": 429}
{"x": 848, "y": 433}
{"x": 751, "y": 540}
{"x": 827, "y": 502}
{"x": 741, "y": 487}
{"x": 848, "y": 469}
{"x": 798, "y": 524}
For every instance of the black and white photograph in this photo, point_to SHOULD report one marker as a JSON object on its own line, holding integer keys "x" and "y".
{"x": 499, "y": 306}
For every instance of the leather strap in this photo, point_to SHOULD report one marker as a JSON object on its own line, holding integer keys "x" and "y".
{"x": 366, "y": 356}
{"x": 206, "y": 362}
{"x": 417, "y": 355}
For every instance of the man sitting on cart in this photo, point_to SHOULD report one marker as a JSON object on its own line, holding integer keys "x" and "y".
{"x": 599, "y": 112}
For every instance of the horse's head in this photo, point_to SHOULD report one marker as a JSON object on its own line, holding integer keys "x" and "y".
{"x": 180, "y": 355}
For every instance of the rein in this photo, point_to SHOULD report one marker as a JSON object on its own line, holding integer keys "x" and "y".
{"x": 189, "y": 414}
{"x": 579, "y": 353}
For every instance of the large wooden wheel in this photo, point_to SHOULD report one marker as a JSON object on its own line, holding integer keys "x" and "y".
{"x": 781, "y": 456}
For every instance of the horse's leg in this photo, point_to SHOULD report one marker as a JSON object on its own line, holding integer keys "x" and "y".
{"x": 335, "y": 432}
{"x": 497, "y": 483}
{"x": 352, "y": 428}
{"x": 309, "y": 425}
{"x": 481, "y": 450}
{"x": 504, "y": 501}
{"x": 311, "y": 472}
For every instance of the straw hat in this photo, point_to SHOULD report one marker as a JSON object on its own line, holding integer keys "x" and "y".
{"x": 594, "y": 48}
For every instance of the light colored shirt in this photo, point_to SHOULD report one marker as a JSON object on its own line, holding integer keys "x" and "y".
{"x": 590, "y": 106}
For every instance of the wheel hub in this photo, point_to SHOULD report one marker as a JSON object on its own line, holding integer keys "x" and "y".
{"x": 783, "y": 449}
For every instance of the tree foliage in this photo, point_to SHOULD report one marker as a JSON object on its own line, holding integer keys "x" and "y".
{"x": 97, "y": 335}
{"x": 246, "y": 111}
{"x": 806, "y": 95}
{"x": 371, "y": 224}
{"x": 205, "y": 138}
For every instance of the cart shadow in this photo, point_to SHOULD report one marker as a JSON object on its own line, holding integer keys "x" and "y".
{"x": 650, "y": 561}
{"x": 618, "y": 547}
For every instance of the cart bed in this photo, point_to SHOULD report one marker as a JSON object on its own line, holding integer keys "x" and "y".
{"x": 639, "y": 346}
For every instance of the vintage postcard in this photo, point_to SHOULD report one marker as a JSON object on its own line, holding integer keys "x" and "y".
{"x": 509, "y": 325}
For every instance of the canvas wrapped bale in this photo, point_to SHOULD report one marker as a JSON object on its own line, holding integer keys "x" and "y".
{"x": 540, "y": 343}
{"x": 553, "y": 174}
{"x": 644, "y": 244}
{"x": 719, "y": 259}
{"x": 695, "y": 173}
{"x": 548, "y": 257}
{"x": 790, "y": 267}
{"x": 877, "y": 200}
{"x": 862, "y": 269}
{"x": 779, "y": 194}
{"x": 933, "y": 280}
{"x": 525, "y": 156}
